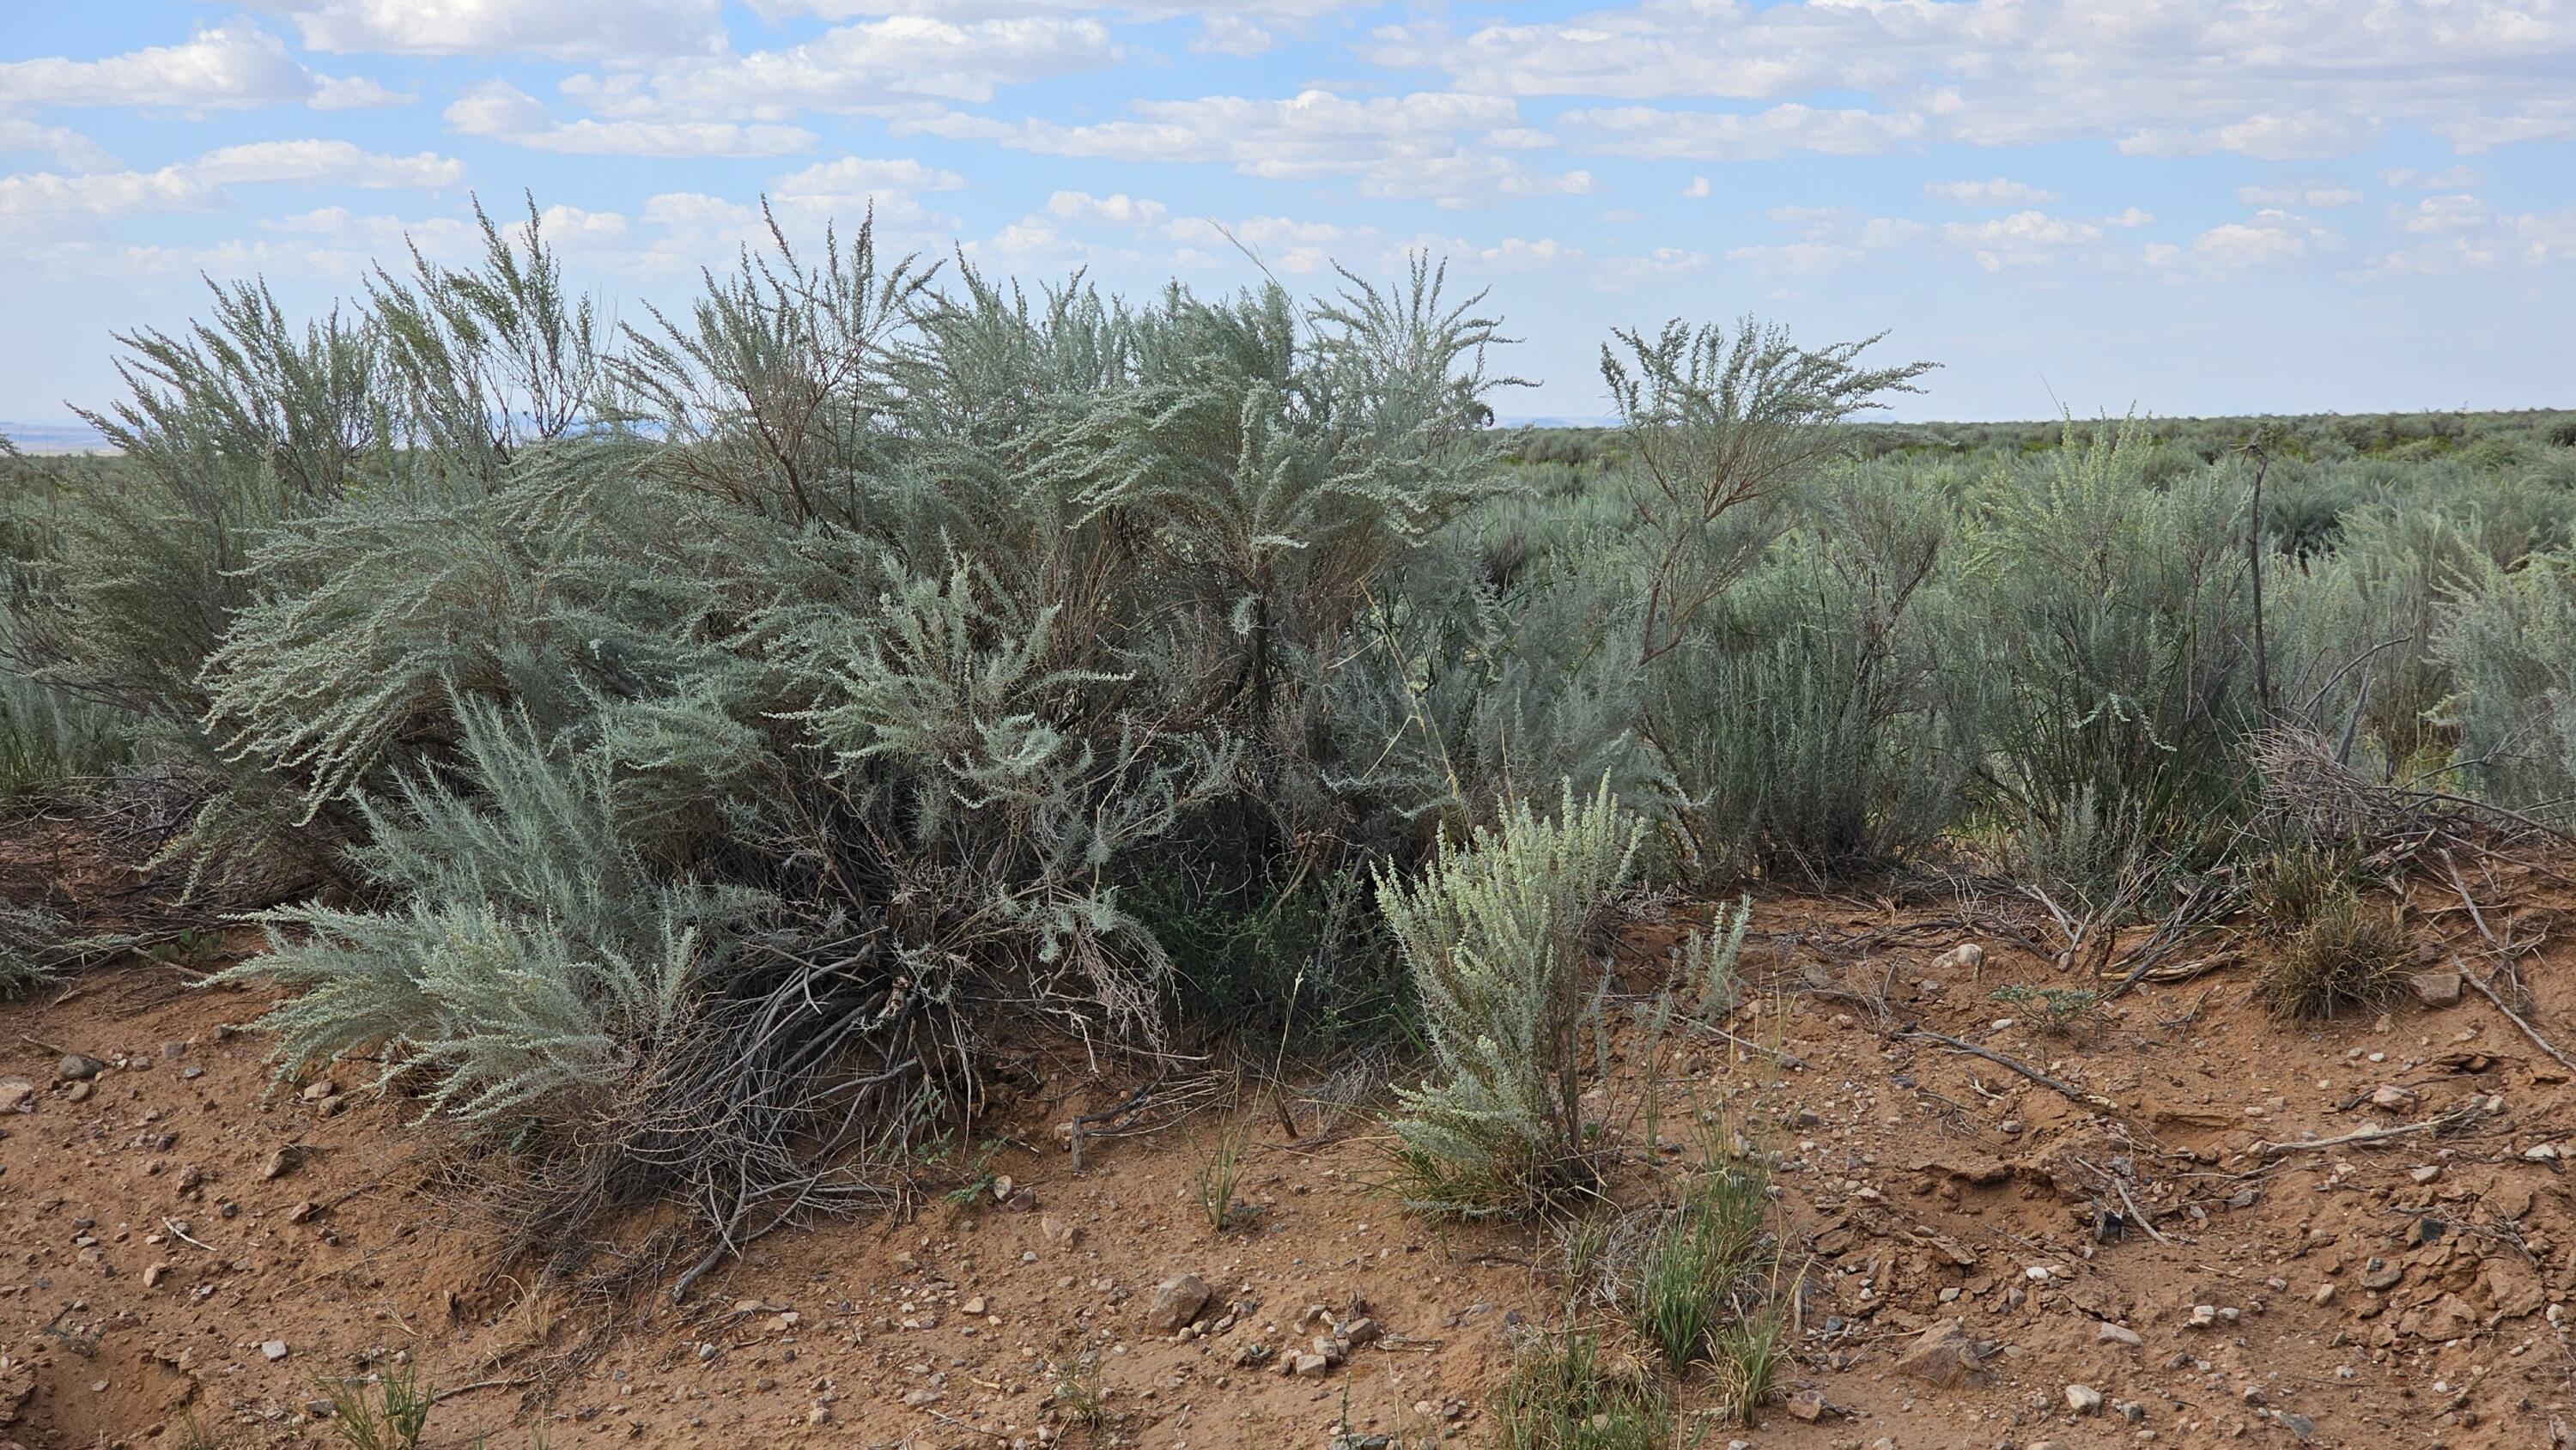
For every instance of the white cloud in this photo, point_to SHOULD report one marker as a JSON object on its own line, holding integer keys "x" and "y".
{"x": 1119, "y": 210}
{"x": 1806, "y": 259}
{"x": 2268, "y": 136}
{"x": 62, "y": 143}
{"x": 1656, "y": 133}
{"x": 338, "y": 163}
{"x": 2451, "y": 212}
{"x": 499, "y": 111}
{"x": 1236, "y": 35}
{"x": 1699, "y": 189}
{"x": 2315, "y": 195}
{"x": 1829, "y": 239}
{"x": 1997, "y": 192}
{"x": 2449, "y": 178}
{"x": 855, "y": 176}
{"x": 224, "y": 67}
{"x": 1662, "y": 264}
{"x": 1267, "y": 12}
{"x": 2023, "y": 239}
{"x": 2272, "y": 236}
{"x": 201, "y": 184}
{"x": 1391, "y": 146}
{"x": 2278, "y": 78}
{"x": 559, "y": 28}
{"x": 856, "y": 68}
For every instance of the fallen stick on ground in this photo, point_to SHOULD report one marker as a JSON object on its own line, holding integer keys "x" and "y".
{"x": 2363, "y": 1138}
{"x": 2528, "y": 1030}
{"x": 2067, "y": 1090}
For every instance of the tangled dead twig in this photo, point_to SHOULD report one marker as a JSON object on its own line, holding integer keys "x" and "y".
{"x": 2067, "y": 1090}
{"x": 2366, "y": 1137}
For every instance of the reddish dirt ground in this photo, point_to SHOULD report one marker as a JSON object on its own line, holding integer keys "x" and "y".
{"x": 187, "y": 1242}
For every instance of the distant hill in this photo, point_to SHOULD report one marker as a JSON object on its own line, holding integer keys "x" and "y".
{"x": 53, "y": 437}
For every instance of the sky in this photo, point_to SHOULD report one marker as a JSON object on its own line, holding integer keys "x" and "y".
{"x": 2163, "y": 206}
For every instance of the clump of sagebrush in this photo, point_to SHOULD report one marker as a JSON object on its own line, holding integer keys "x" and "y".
{"x": 1497, "y": 935}
{"x": 2114, "y": 622}
{"x": 32, "y": 948}
{"x": 725, "y": 746}
{"x": 2350, "y": 956}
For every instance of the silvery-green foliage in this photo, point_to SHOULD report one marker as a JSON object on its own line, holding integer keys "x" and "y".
{"x": 770, "y": 388}
{"x": 2354, "y": 630}
{"x": 1724, "y": 425}
{"x": 1470, "y": 685}
{"x": 1496, "y": 935}
{"x": 2511, "y": 650}
{"x": 526, "y": 955}
{"x": 996, "y": 783}
{"x": 231, "y": 427}
{"x": 487, "y": 361}
{"x": 1704, "y": 963}
{"x": 2115, "y": 624}
{"x": 33, "y": 947}
{"x": 1813, "y": 718}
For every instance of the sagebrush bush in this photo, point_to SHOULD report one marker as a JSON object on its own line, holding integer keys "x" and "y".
{"x": 2116, "y": 630}
{"x": 1805, "y": 722}
{"x": 679, "y": 748}
{"x": 1497, "y": 936}
{"x": 2510, "y": 649}
{"x": 33, "y": 948}
{"x": 531, "y": 956}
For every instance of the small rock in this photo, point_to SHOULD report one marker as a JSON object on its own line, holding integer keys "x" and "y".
{"x": 153, "y": 1276}
{"x": 2202, "y": 1316}
{"x": 2324, "y": 1294}
{"x": 319, "y": 1089}
{"x": 2084, "y": 1399}
{"x": 1942, "y": 1355}
{"x": 2116, "y": 1334}
{"x": 1809, "y": 1407}
{"x": 1059, "y": 1233}
{"x": 79, "y": 1091}
{"x": 1967, "y": 956}
{"x": 17, "y": 1095}
{"x": 78, "y": 1067}
{"x": 1309, "y": 1366}
{"x": 1177, "y": 1302}
{"x": 2425, "y": 1174}
{"x": 281, "y": 1162}
{"x": 973, "y": 1305}
{"x": 274, "y": 1350}
{"x": 1362, "y": 1332}
{"x": 2437, "y": 989}
{"x": 2392, "y": 1097}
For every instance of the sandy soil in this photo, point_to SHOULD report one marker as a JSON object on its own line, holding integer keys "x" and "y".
{"x": 187, "y": 1241}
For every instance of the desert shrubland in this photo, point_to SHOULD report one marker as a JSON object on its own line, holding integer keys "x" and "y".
{"x": 674, "y": 752}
